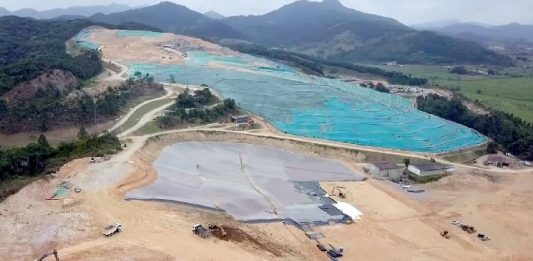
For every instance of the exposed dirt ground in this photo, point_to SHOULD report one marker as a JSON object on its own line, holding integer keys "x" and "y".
{"x": 54, "y": 136}
{"x": 149, "y": 49}
{"x": 407, "y": 227}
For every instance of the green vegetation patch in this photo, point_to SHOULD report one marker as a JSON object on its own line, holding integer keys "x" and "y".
{"x": 511, "y": 133}
{"x": 35, "y": 159}
{"x": 199, "y": 107}
{"x": 510, "y": 91}
{"x": 140, "y": 112}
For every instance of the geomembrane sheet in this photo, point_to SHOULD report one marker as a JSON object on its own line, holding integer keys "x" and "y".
{"x": 250, "y": 182}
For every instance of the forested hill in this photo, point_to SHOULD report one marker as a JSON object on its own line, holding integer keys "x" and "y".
{"x": 173, "y": 18}
{"x": 30, "y": 47}
{"x": 332, "y": 31}
{"x": 40, "y": 84}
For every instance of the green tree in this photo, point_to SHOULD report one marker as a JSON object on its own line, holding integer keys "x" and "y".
{"x": 83, "y": 134}
{"x": 43, "y": 142}
{"x": 138, "y": 74}
{"x": 407, "y": 162}
{"x": 492, "y": 147}
{"x": 172, "y": 78}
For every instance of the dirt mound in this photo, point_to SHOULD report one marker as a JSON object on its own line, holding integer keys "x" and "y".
{"x": 233, "y": 234}
{"x": 63, "y": 81}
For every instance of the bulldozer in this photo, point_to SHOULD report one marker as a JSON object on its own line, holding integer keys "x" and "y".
{"x": 341, "y": 194}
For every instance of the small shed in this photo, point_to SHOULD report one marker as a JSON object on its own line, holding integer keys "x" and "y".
{"x": 385, "y": 170}
{"x": 428, "y": 171}
{"x": 241, "y": 119}
{"x": 498, "y": 160}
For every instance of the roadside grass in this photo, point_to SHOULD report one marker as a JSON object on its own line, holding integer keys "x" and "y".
{"x": 511, "y": 91}
{"x": 140, "y": 112}
{"x": 148, "y": 128}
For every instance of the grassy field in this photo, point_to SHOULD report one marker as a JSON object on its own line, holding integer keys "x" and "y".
{"x": 140, "y": 112}
{"x": 148, "y": 128}
{"x": 511, "y": 91}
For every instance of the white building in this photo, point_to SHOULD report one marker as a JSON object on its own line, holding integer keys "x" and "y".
{"x": 428, "y": 171}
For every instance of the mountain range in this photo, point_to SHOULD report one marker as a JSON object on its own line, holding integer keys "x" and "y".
{"x": 214, "y": 15}
{"x": 324, "y": 29}
{"x": 75, "y": 11}
{"x": 483, "y": 33}
{"x": 330, "y": 30}
{"x": 173, "y": 18}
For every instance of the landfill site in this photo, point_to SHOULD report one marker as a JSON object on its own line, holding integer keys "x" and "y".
{"x": 130, "y": 207}
{"x": 218, "y": 192}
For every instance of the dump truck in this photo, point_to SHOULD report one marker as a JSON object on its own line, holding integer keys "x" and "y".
{"x": 201, "y": 231}
{"x": 112, "y": 229}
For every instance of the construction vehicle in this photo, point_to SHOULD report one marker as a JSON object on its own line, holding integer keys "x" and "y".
{"x": 112, "y": 229}
{"x": 341, "y": 193}
{"x": 483, "y": 237}
{"x": 445, "y": 234}
{"x": 468, "y": 229}
{"x": 217, "y": 230}
{"x": 335, "y": 252}
{"x": 200, "y": 230}
{"x": 53, "y": 253}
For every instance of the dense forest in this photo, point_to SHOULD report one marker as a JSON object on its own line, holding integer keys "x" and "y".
{"x": 198, "y": 108}
{"x": 30, "y": 47}
{"x": 40, "y": 157}
{"x": 316, "y": 65}
{"x": 509, "y": 132}
{"x": 51, "y": 107}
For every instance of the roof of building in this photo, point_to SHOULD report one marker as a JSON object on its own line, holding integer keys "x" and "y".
{"x": 430, "y": 166}
{"x": 385, "y": 165}
{"x": 498, "y": 159}
{"x": 237, "y": 117}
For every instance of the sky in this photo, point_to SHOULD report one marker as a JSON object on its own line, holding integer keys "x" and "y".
{"x": 410, "y": 12}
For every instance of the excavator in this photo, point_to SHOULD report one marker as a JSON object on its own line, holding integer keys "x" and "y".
{"x": 341, "y": 194}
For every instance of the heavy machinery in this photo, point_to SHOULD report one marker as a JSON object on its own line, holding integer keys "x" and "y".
{"x": 335, "y": 252}
{"x": 445, "y": 234}
{"x": 200, "y": 230}
{"x": 483, "y": 237}
{"x": 341, "y": 194}
{"x": 112, "y": 229}
{"x": 218, "y": 231}
{"x": 468, "y": 229}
